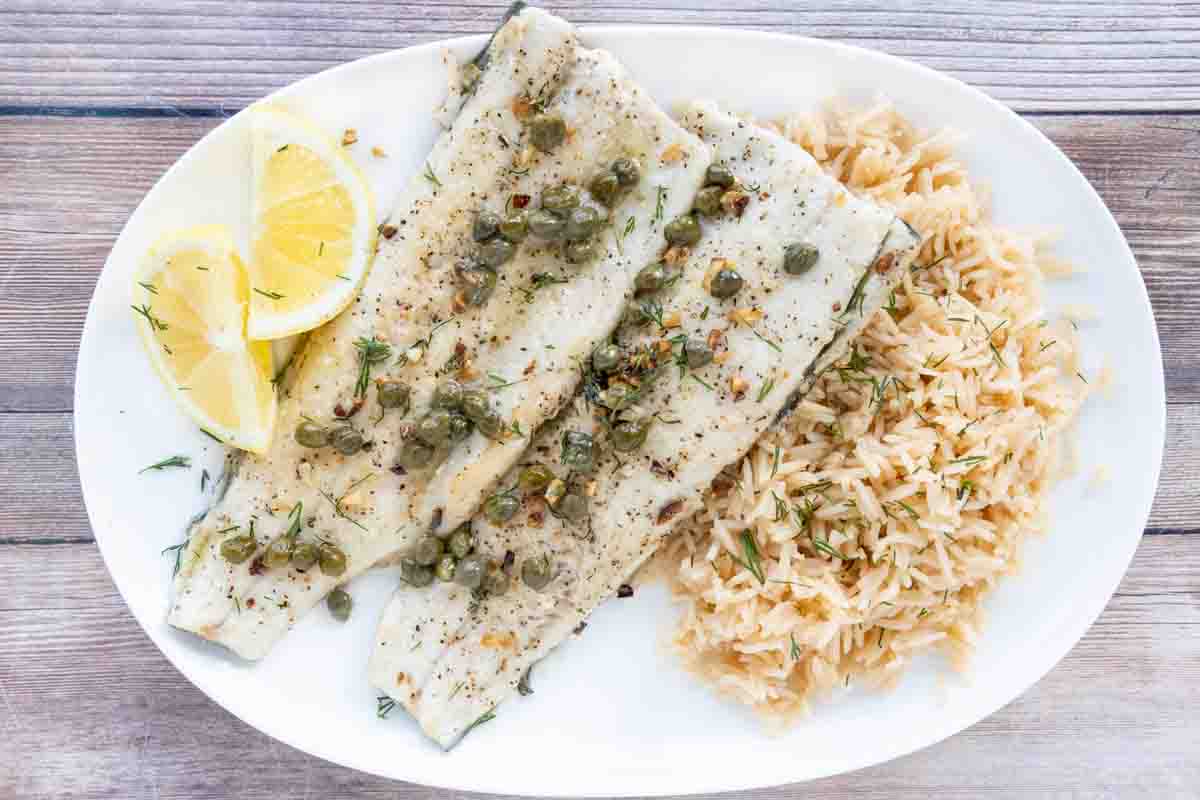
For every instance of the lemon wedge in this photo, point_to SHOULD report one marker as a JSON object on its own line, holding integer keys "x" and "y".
{"x": 190, "y": 296}
{"x": 313, "y": 232}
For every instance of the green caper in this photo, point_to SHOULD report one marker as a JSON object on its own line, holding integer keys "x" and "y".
{"x": 718, "y": 175}
{"x": 606, "y": 358}
{"x": 478, "y": 282}
{"x": 799, "y": 258}
{"x": 726, "y": 283}
{"x": 237, "y": 549}
{"x": 490, "y": 425}
{"x": 606, "y": 188}
{"x": 547, "y": 225}
{"x": 392, "y": 393}
{"x": 697, "y": 353}
{"x": 310, "y": 434}
{"x": 444, "y": 570}
{"x": 414, "y": 454}
{"x": 652, "y": 278}
{"x": 582, "y": 223}
{"x": 461, "y": 541}
{"x": 683, "y": 230}
{"x": 496, "y": 252}
{"x": 580, "y": 252}
{"x": 496, "y": 581}
{"x": 618, "y": 396}
{"x": 460, "y": 428}
{"x": 428, "y": 551}
{"x": 500, "y": 508}
{"x": 304, "y": 555}
{"x": 468, "y": 76}
{"x": 630, "y": 435}
{"x": 346, "y": 440}
{"x": 476, "y": 404}
{"x": 627, "y": 171}
{"x": 547, "y": 131}
{"x": 535, "y": 572}
{"x": 340, "y": 604}
{"x": 573, "y": 507}
{"x": 331, "y": 559}
{"x": 708, "y": 201}
{"x": 470, "y": 571}
{"x": 535, "y": 477}
{"x": 415, "y": 574}
{"x": 278, "y": 553}
{"x": 515, "y": 226}
{"x": 578, "y": 450}
{"x": 560, "y": 199}
{"x": 434, "y": 428}
{"x": 487, "y": 225}
{"x": 448, "y": 394}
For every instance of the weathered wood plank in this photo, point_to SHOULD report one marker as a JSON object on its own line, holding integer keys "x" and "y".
{"x": 1114, "y": 719}
{"x": 80, "y": 178}
{"x": 164, "y": 53}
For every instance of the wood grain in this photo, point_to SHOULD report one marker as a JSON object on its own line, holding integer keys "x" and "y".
{"x": 164, "y": 54}
{"x": 1114, "y": 719}
{"x": 82, "y": 177}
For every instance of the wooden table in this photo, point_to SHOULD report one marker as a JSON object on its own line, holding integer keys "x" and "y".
{"x": 98, "y": 97}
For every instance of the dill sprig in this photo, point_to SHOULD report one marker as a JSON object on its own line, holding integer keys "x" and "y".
{"x": 968, "y": 460}
{"x": 269, "y": 293}
{"x": 795, "y": 651}
{"x": 430, "y": 176}
{"x": 765, "y": 390}
{"x": 767, "y": 341}
{"x": 167, "y": 463}
{"x": 384, "y": 706}
{"x": 775, "y": 460}
{"x": 177, "y": 549}
{"x": 487, "y": 716}
{"x": 630, "y": 224}
{"x": 500, "y": 382}
{"x": 423, "y": 344}
{"x": 752, "y": 558}
{"x": 781, "y": 508}
{"x": 661, "y": 198}
{"x": 337, "y": 502}
{"x": 149, "y": 287}
{"x": 539, "y": 280}
{"x": 825, "y": 547}
{"x": 652, "y": 311}
{"x": 155, "y": 322}
{"x": 370, "y": 352}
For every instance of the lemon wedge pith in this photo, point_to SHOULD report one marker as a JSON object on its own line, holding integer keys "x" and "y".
{"x": 313, "y": 231}
{"x": 191, "y": 295}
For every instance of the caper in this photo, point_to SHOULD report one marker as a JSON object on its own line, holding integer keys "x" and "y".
{"x": 468, "y": 76}
{"x": 535, "y": 572}
{"x": 582, "y": 222}
{"x": 434, "y": 428}
{"x": 487, "y": 225}
{"x": 515, "y": 226}
{"x": 476, "y": 404}
{"x": 547, "y": 225}
{"x": 444, "y": 570}
{"x": 573, "y": 507}
{"x": 726, "y": 283}
{"x": 310, "y": 434}
{"x": 496, "y": 252}
{"x": 340, "y": 604}
{"x": 331, "y": 559}
{"x": 606, "y": 188}
{"x": 392, "y": 393}
{"x": 578, "y": 450}
{"x": 460, "y": 428}
{"x": 683, "y": 230}
{"x": 799, "y": 258}
{"x": 304, "y": 555}
{"x": 547, "y": 131}
{"x": 718, "y": 175}
{"x": 478, "y": 282}
{"x": 606, "y": 358}
{"x": 560, "y": 199}
{"x": 414, "y": 454}
{"x": 496, "y": 581}
{"x": 346, "y": 440}
{"x": 555, "y": 491}
{"x": 470, "y": 571}
{"x": 580, "y": 252}
{"x": 708, "y": 201}
{"x": 237, "y": 549}
{"x": 651, "y": 278}
{"x": 278, "y": 553}
{"x": 490, "y": 425}
{"x": 697, "y": 353}
{"x": 627, "y": 171}
{"x": 415, "y": 574}
{"x": 500, "y": 508}
{"x": 618, "y": 396}
{"x": 448, "y": 394}
{"x": 428, "y": 551}
{"x": 630, "y": 435}
{"x": 535, "y": 477}
{"x": 461, "y": 541}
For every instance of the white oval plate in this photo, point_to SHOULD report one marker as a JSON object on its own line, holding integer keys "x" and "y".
{"x": 613, "y": 714}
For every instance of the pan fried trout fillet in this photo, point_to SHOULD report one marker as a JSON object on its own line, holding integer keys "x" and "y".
{"x": 528, "y": 335}
{"x": 449, "y": 655}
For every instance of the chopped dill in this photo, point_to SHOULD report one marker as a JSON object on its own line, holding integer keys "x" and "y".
{"x": 765, "y": 390}
{"x": 155, "y": 322}
{"x": 384, "y": 706}
{"x": 430, "y": 176}
{"x": 969, "y": 460}
{"x": 825, "y": 547}
{"x": 273, "y": 295}
{"x": 149, "y": 287}
{"x": 167, "y": 463}
{"x": 500, "y": 382}
{"x": 483, "y": 718}
{"x": 781, "y": 508}
{"x": 177, "y": 549}
{"x": 370, "y": 352}
{"x": 795, "y": 651}
{"x": 767, "y": 341}
{"x": 661, "y": 198}
{"x": 539, "y": 280}
{"x": 1047, "y": 345}
{"x": 775, "y": 461}
{"x": 752, "y": 558}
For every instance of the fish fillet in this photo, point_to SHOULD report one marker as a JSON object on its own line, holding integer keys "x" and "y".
{"x": 528, "y": 336}
{"x": 450, "y": 656}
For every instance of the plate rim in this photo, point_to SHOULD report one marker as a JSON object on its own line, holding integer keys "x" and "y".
{"x": 1093, "y": 605}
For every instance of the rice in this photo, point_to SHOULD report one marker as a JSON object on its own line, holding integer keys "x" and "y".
{"x": 901, "y": 491}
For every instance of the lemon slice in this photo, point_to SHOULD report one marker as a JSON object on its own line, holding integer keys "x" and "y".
{"x": 190, "y": 296}
{"x": 313, "y": 230}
